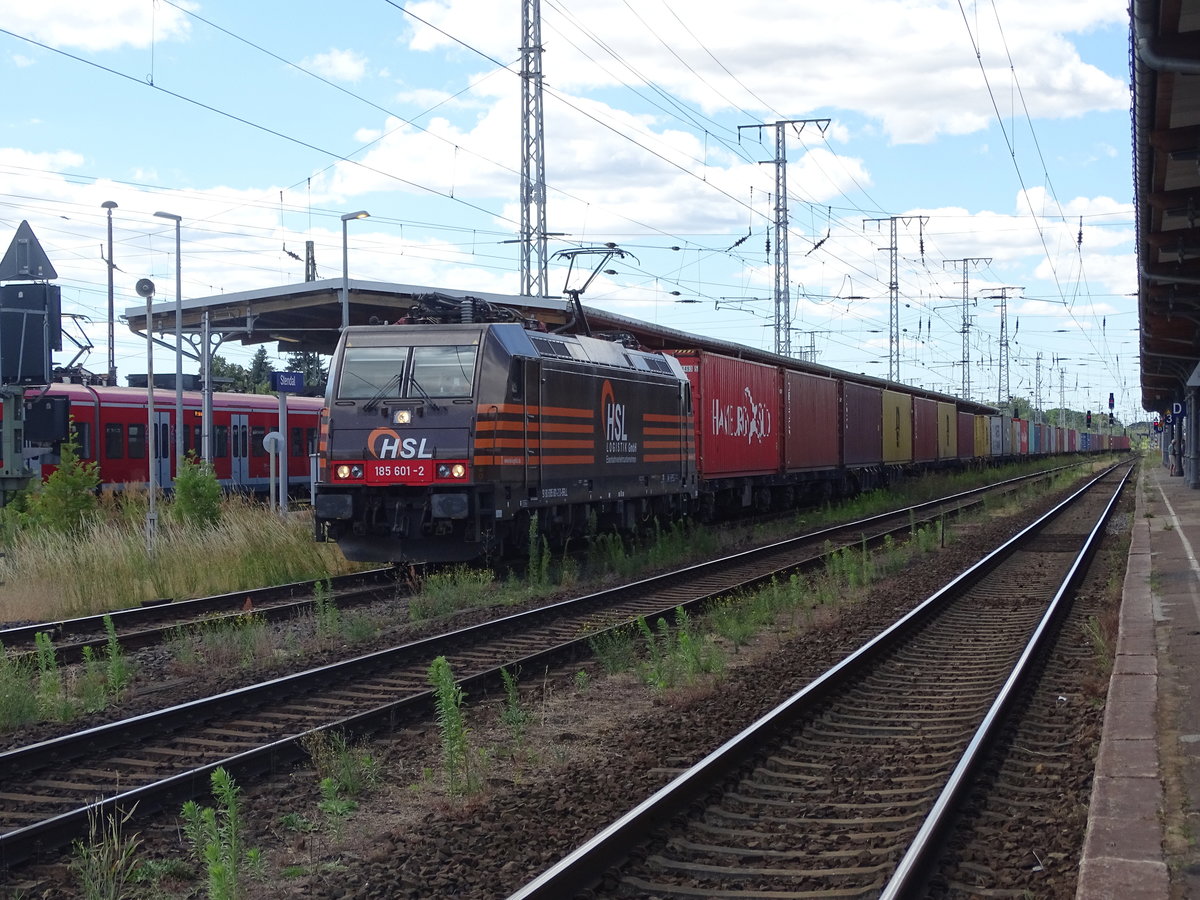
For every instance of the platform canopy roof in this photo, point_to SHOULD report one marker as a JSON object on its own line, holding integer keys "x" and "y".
{"x": 1165, "y": 56}
{"x": 308, "y": 317}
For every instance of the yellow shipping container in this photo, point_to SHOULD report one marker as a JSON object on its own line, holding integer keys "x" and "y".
{"x": 897, "y": 427}
{"x": 947, "y": 417}
{"x": 983, "y": 436}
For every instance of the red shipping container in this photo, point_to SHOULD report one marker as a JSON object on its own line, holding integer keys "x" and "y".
{"x": 925, "y": 429}
{"x": 811, "y": 408}
{"x": 862, "y": 425}
{"x": 738, "y": 407}
{"x": 1022, "y": 435}
{"x": 966, "y": 435}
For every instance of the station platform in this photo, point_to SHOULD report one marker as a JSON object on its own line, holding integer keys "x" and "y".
{"x": 1143, "y": 833}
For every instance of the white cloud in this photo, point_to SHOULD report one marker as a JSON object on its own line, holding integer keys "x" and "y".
{"x": 88, "y": 25}
{"x": 908, "y": 64}
{"x": 338, "y": 65}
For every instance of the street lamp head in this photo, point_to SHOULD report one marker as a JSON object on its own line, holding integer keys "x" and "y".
{"x": 361, "y": 214}
{"x": 171, "y": 216}
{"x": 108, "y": 204}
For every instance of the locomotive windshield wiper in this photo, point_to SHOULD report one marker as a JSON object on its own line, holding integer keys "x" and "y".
{"x": 424, "y": 395}
{"x": 378, "y": 395}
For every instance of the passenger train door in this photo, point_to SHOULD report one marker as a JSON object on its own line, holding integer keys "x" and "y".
{"x": 164, "y": 448}
{"x": 239, "y": 449}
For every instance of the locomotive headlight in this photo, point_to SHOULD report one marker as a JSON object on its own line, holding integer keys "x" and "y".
{"x": 451, "y": 470}
{"x": 349, "y": 471}
{"x": 402, "y": 417}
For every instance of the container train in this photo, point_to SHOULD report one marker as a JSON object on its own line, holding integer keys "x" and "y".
{"x": 450, "y": 442}
{"x": 110, "y": 427}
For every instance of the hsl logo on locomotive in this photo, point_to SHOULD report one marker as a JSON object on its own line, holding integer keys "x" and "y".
{"x": 751, "y": 420}
{"x": 618, "y": 448}
{"x": 383, "y": 443}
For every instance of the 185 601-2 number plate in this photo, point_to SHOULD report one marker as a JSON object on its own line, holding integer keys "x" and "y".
{"x": 399, "y": 471}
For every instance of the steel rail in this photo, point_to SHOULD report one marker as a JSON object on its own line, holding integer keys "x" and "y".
{"x": 579, "y": 869}
{"x": 234, "y": 601}
{"x": 157, "y": 611}
{"x": 18, "y": 844}
{"x": 914, "y": 867}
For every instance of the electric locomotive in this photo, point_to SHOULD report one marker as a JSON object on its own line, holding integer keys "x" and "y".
{"x": 445, "y": 442}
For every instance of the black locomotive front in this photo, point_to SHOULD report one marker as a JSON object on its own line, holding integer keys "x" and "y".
{"x": 443, "y": 442}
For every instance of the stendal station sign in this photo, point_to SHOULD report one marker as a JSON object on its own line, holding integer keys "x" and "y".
{"x": 287, "y": 382}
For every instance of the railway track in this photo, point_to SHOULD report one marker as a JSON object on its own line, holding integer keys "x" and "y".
{"x": 49, "y": 789}
{"x": 146, "y": 626}
{"x": 152, "y": 624}
{"x": 849, "y": 788}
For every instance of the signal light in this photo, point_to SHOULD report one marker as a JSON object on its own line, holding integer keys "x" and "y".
{"x": 1089, "y": 418}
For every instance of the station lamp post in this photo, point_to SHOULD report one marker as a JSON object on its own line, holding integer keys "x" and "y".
{"x": 361, "y": 214}
{"x": 179, "y": 426}
{"x": 109, "y": 206}
{"x": 145, "y": 288}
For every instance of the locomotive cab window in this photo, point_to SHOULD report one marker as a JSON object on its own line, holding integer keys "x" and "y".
{"x": 442, "y": 371}
{"x": 371, "y": 371}
{"x": 415, "y": 373}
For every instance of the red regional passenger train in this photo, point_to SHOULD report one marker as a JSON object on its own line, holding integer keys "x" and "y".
{"x": 111, "y": 425}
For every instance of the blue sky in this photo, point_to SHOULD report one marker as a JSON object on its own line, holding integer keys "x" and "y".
{"x": 996, "y": 130}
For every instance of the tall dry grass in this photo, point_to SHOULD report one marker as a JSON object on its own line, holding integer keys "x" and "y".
{"x": 107, "y": 565}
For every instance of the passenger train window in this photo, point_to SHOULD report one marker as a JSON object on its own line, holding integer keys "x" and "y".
{"x": 163, "y": 450}
{"x": 442, "y": 371}
{"x": 137, "y": 441}
{"x": 81, "y": 434}
{"x": 257, "y": 433}
{"x": 114, "y": 440}
{"x": 221, "y": 442}
{"x": 296, "y": 445}
{"x": 310, "y": 442}
{"x": 371, "y": 371}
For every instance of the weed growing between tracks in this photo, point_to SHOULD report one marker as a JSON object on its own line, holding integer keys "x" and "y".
{"x": 462, "y": 773}
{"x": 106, "y": 863}
{"x": 217, "y": 836}
{"x": 37, "y": 688}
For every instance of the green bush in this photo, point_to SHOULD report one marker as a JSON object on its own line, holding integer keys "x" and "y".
{"x": 66, "y": 501}
{"x": 197, "y": 494}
